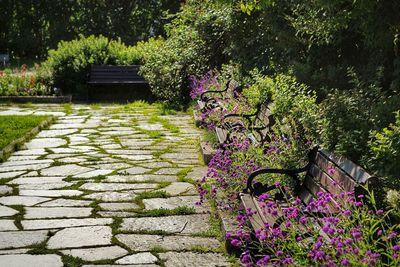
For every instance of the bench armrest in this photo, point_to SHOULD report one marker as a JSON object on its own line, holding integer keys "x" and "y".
{"x": 291, "y": 172}
{"x": 202, "y": 95}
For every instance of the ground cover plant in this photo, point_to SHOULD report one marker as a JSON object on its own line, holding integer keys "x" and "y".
{"x": 14, "y": 126}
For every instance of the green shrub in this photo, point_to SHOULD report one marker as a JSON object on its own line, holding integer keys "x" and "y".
{"x": 193, "y": 46}
{"x": 294, "y": 107}
{"x": 385, "y": 153}
{"x": 68, "y": 66}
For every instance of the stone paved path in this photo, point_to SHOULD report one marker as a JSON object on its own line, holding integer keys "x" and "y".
{"x": 106, "y": 186}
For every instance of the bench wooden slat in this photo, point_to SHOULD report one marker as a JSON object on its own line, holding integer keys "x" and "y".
{"x": 325, "y": 180}
{"x": 353, "y": 170}
{"x": 343, "y": 176}
{"x": 109, "y": 75}
{"x": 347, "y": 182}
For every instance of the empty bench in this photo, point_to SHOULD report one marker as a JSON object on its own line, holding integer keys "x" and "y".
{"x": 255, "y": 126}
{"x": 325, "y": 172}
{"x": 115, "y": 75}
{"x": 212, "y": 99}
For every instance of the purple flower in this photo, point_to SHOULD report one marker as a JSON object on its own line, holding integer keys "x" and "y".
{"x": 236, "y": 243}
{"x": 345, "y": 262}
{"x": 347, "y": 212}
{"x": 396, "y": 247}
{"x": 380, "y": 212}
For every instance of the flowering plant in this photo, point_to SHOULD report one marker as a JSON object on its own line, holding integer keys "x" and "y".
{"x": 20, "y": 83}
{"x": 332, "y": 230}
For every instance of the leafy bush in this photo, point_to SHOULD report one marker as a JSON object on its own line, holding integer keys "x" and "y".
{"x": 385, "y": 153}
{"x": 294, "y": 105}
{"x": 193, "y": 45}
{"x": 69, "y": 65}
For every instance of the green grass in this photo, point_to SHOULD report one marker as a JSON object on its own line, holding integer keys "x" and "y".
{"x": 167, "y": 212}
{"x": 164, "y": 122}
{"x": 13, "y": 127}
{"x": 67, "y": 108}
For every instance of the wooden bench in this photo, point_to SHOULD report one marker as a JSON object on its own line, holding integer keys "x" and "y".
{"x": 344, "y": 176}
{"x": 207, "y": 100}
{"x": 115, "y": 75}
{"x": 255, "y": 126}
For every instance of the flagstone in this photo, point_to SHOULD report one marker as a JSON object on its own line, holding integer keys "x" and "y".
{"x": 179, "y": 188}
{"x": 92, "y": 174}
{"x": 66, "y": 203}
{"x": 112, "y": 196}
{"x": 116, "y": 186}
{"x": 10, "y": 174}
{"x": 56, "y": 212}
{"x": 22, "y": 200}
{"x": 139, "y": 258}
{"x": 141, "y": 178}
{"x": 175, "y": 202}
{"x": 6, "y": 211}
{"x": 185, "y": 224}
{"x": 50, "y": 193}
{"x": 4, "y": 190}
{"x": 65, "y": 170}
{"x": 45, "y": 143}
{"x": 63, "y": 223}
{"x": 7, "y": 225}
{"x": 19, "y": 239}
{"x": 181, "y": 259}
{"x": 30, "y": 152}
{"x": 96, "y": 254}
{"x": 19, "y": 260}
{"x": 56, "y": 133}
{"x": 46, "y": 186}
{"x": 37, "y": 180}
{"x": 118, "y": 206}
{"x": 141, "y": 243}
{"x": 81, "y": 237}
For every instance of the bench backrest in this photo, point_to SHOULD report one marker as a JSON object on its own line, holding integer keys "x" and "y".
{"x": 232, "y": 89}
{"x": 114, "y": 74}
{"x": 330, "y": 173}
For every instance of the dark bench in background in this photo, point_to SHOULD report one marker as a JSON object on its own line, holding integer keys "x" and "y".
{"x": 115, "y": 75}
{"x": 116, "y": 82}
{"x": 255, "y": 126}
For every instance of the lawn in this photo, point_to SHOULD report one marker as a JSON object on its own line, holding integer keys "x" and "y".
{"x": 13, "y": 127}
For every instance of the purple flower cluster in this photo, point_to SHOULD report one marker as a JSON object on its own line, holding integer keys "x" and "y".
{"x": 348, "y": 234}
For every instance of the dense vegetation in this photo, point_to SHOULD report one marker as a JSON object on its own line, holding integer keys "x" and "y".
{"x": 30, "y": 28}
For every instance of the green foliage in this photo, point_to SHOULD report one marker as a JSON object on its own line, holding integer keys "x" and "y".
{"x": 385, "y": 154}
{"x": 32, "y": 27}
{"x": 193, "y": 45}
{"x": 69, "y": 65}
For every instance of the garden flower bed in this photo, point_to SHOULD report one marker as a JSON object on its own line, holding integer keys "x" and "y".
{"x": 21, "y": 83}
{"x": 361, "y": 231}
